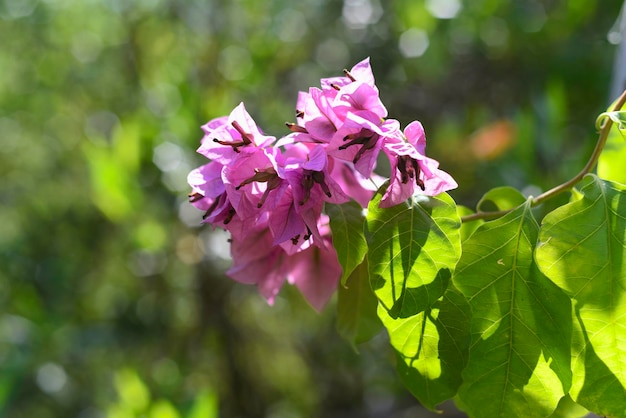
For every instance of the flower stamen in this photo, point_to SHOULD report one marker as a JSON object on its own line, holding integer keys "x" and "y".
{"x": 296, "y": 128}
{"x": 309, "y": 179}
{"x": 267, "y": 175}
{"x": 246, "y": 138}
{"x": 366, "y": 138}
{"x": 211, "y": 208}
{"x": 409, "y": 169}
{"x": 229, "y": 216}
{"x": 194, "y": 197}
{"x": 308, "y": 233}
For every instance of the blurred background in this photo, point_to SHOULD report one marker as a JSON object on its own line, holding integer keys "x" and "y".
{"x": 113, "y": 301}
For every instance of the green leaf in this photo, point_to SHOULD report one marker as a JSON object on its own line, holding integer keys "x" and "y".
{"x": 594, "y": 385}
{"x": 357, "y": 320}
{"x": 413, "y": 248}
{"x": 582, "y": 249}
{"x": 431, "y": 348}
{"x": 519, "y": 356}
{"x": 613, "y": 156}
{"x": 567, "y": 408}
{"x": 467, "y": 228}
{"x": 346, "y": 224}
{"x": 500, "y": 198}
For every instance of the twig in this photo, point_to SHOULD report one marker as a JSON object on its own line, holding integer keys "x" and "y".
{"x": 593, "y": 160}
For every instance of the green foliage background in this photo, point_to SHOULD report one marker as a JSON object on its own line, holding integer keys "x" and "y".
{"x": 112, "y": 297}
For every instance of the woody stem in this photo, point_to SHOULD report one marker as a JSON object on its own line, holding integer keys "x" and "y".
{"x": 591, "y": 163}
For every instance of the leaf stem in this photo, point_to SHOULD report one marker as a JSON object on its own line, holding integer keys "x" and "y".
{"x": 593, "y": 160}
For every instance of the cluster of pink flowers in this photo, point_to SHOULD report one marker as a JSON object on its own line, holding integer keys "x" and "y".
{"x": 270, "y": 194}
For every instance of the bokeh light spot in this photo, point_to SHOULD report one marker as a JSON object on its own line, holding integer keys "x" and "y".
{"x": 15, "y": 9}
{"x": 234, "y": 63}
{"x": 444, "y": 9}
{"x": 290, "y": 25}
{"x": 332, "y": 55}
{"x": 51, "y": 378}
{"x": 86, "y": 46}
{"x": 358, "y": 14}
{"x": 163, "y": 99}
{"x": 495, "y": 32}
{"x": 413, "y": 43}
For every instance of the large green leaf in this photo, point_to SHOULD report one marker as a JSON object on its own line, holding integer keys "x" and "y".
{"x": 413, "y": 248}
{"x": 357, "y": 320}
{"x": 582, "y": 249}
{"x": 346, "y": 223}
{"x": 431, "y": 347}
{"x": 519, "y": 356}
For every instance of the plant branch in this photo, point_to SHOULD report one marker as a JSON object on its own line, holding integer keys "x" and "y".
{"x": 593, "y": 160}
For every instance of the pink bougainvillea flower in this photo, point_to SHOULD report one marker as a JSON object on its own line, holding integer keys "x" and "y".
{"x": 250, "y": 181}
{"x": 316, "y": 114}
{"x": 360, "y": 72}
{"x": 209, "y": 194}
{"x": 321, "y": 112}
{"x": 257, "y": 261}
{"x": 296, "y": 210}
{"x": 270, "y": 194}
{"x": 356, "y": 91}
{"x": 309, "y": 177}
{"x": 360, "y": 139}
{"x": 354, "y": 184}
{"x": 358, "y": 96}
{"x": 295, "y": 228}
{"x": 314, "y": 271}
{"x": 225, "y": 138}
{"x": 411, "y": 170}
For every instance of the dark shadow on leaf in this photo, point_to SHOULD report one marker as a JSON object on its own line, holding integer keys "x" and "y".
{"x": 602, "y": 391}
{"x": 453, "y": 333}
{"x": 418, "y": 299}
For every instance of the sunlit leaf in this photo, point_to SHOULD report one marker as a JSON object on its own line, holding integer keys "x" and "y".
{"x": 593, "y": 384}
{"x": 467, "y": 228}
{"x": 582, "y": 249}
{"x": 567, "y": 408}
{"x": 346, "y": 223}
{"x": 519, "y": 356}
{"x": 357, "y": 320}
{"x": 431, "y": 348}
{"x": 611, "y": 161}
{"x": 500, "y": 198}
{"x": 413, "y": 248}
